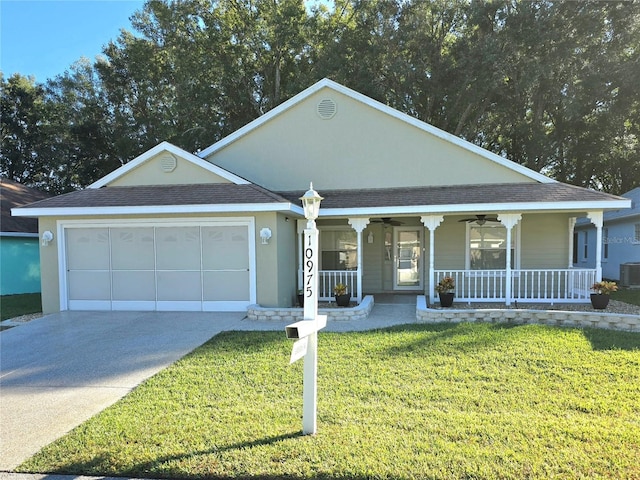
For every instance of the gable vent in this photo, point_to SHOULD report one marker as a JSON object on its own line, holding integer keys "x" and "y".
{"x": 326, "y": 109}
{"x": 168, "y": 163}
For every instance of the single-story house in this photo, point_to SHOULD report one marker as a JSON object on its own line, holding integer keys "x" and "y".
{"x": 405, "y": 204}
{"x": 19, "y": 250}
{"x": 620, "y": 243}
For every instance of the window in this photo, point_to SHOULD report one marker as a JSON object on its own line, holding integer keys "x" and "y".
{"x": 338, "y": 249}
{"x": 488, "y": 247}
{"x": 585, "y": 246}
{"x": 636, "y": 237}
{"x": 575, "y": 248}
{"x": 605, "y": 243}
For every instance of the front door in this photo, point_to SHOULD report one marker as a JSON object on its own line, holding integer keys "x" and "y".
{"x": 407, "y": 274}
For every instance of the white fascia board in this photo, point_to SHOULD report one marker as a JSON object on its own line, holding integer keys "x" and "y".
{"x": 475, "y": 207}
{"x": 384, "y": 109}
{"x": 158, "y": 210}
{"x": 168, "y": 147}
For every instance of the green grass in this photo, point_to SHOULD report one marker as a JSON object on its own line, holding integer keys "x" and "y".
{"x": 628, "y": 295}
{"x": 447, "y": 401}
{"x": 12, "y": 306}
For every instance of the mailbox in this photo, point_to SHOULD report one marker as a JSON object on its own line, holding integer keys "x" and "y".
{"x": 304, "y": 328}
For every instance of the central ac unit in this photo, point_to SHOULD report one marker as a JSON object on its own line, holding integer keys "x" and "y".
{"x": 630, "y": 274}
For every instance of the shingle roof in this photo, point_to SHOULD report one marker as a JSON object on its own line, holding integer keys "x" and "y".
{"x": 12, "y": 195}
{"x": 228, "y": 194}
{"x": 456, "y": 195}
{"x": 162, "y": 195}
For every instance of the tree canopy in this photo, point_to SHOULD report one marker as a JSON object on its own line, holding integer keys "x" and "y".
{"x": 551, "y": 85}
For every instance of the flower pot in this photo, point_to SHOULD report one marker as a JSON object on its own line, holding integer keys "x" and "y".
{"x": 599, "y": 301}
{"x": 446, "y": 299}
{"x": 301, "y": 300}
{"x": 343, "y": 300}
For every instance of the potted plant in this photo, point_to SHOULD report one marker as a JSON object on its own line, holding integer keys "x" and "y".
{"x": 340, "y": 291}
{"x": 445, "y": 289}
{"x": 300, "y": 295}
{"x": 600, "y": 299}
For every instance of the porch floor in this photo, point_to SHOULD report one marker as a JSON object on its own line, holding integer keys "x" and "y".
{"x": 395, "y": 298}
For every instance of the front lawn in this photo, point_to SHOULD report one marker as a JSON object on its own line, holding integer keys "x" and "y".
{"x": 628, "y": 295}
{"x": 478, "y": 401}
{"x": 12, "y": 306}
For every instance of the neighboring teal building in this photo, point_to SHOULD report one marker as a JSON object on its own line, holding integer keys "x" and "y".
{"x": 19, "y": 243}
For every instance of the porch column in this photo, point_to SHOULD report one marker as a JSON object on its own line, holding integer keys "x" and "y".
{"x": 432, "y": 222}
{"x": 509, "y": 220}
{"x": 302, "y": 224}
{"x": 359, "y": 224}
{"x": 597, "y": 219}
{"x": 572, "y": 224}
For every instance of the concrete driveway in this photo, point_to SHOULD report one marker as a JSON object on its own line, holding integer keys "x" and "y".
{"x": 59, "y": 370}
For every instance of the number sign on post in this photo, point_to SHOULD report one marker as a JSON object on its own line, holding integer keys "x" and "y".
{"x": 308, "y": 328}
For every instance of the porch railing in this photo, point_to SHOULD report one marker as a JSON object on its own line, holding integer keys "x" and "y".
{"x": 536, "y": 285}
{"x": 329, "y": 278}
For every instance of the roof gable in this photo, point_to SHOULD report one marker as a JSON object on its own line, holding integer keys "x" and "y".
{"x": 365, "y": 138}
{"x": 167, "y": 164}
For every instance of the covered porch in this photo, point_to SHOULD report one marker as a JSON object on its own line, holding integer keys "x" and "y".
{"x": 418, "y": 259}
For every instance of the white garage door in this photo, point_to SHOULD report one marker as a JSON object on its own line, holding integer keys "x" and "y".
{"x": 160, "y": 267}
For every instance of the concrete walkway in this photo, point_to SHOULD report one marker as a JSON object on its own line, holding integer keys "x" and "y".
{"x": 59, "y": 370}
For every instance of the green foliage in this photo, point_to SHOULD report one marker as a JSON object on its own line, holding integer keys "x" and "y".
{"x": 12, "y": 306}
{"x": 441, "y": 401}
{"x": 550, "y": 85}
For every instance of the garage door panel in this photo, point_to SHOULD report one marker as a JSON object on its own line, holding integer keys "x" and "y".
{"x": 179, "y": 286}
{"x": 88, "y": 249}
{"x": 89, "y": 285}
{"x": 232, "y": 286}
{"x": 131, "y": 285}
{"x": 178, "y": 248}
{"x": 225, "y": 248}
{"x": 132, "y": 249}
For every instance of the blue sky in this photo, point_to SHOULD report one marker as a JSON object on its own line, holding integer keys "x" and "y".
{"x": 44, "y": 38}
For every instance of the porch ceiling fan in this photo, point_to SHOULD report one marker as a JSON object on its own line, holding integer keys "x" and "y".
{"x": 480, "y": 219}
{"x": 387, "y": 221}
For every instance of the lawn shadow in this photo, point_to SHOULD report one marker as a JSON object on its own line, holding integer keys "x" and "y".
{"x": 153, "y": 468}
{"x": 601, "y": 339}
{"x": 463, "y": 336}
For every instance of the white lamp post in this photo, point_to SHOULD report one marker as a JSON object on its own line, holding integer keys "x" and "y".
{"x": 306, "y": 331}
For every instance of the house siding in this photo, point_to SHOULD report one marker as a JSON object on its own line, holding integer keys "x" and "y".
{"x": 359, "y": 147}
{"x": 20, "y": 261}
{"x": 544, "y": 241}
{"x": 152, "y": 173}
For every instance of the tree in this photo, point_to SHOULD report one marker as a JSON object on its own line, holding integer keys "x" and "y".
{"x": 21, "y": 130}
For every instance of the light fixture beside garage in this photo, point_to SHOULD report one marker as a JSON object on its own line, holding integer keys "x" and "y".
{"x": 265, "y": 235}
{"x": 47, "y": 236}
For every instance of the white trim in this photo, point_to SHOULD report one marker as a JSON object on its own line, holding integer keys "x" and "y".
{"x": 160, "y": 209}
{"x": 205, "y": 305}
{"x": 326, "y": 83}
{"x": 464, "y": 208}
{"x": 168, "y": 147}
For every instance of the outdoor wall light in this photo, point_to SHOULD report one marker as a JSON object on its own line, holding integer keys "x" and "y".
{"x": 370, "y": 237}
{"x": 265, "y": 235}
{"x": 47, "y": 236}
